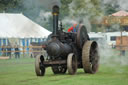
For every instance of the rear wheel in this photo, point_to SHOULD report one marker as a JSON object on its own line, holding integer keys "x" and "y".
{"x": 39, "y": 67}
{"x": 90, "y": 57}
{"x": 72, "y": 64}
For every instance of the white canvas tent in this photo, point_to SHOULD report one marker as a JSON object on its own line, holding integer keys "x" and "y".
{"x": 19, "y": 26}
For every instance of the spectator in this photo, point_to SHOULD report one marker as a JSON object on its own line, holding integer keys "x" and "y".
{"x": 17, "y": 53}
{"x": 31, "y": 51}
{"x": 3, "y": 50}
{"x": 9, "y": 50}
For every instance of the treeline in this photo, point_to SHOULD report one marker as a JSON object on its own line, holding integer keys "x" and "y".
{"x": 88, "y": 9}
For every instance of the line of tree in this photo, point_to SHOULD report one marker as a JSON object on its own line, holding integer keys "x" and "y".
{"x": 71, "y": 8}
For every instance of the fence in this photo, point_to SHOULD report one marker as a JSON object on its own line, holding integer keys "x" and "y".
{"x": 33, "y": 50}
{"x": 24, "y": 45}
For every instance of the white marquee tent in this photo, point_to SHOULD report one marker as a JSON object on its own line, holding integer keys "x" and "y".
{"x": 19, "y": 26}
{"x": 15, "y": 27}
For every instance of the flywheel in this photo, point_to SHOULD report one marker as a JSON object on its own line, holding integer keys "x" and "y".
{"x": 82, "y": 36}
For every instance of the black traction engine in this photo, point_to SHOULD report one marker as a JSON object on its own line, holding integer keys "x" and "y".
{"x": 68, "y": 50}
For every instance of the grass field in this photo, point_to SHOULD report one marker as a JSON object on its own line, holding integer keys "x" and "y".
{"x": 21, "y": 72}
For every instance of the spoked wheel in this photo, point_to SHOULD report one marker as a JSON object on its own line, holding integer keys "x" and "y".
{"x": 82, "y": 36}
{"x": 72, "y": 64}
{"x": 90, "y": 57}
{"x": 39, "y": 67}
{"x": 59, "y": 69}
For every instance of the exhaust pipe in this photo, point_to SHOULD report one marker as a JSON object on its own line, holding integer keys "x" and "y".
{"x": 55, "y": 13}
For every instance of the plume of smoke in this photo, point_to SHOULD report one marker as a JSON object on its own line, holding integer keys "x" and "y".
{"x": 85, "y": 13}
{"x": 116, "y": 27}
{"x": 43, "y": 17}
{"x": 123, "y": 4}
{"x": 39, "y": 10}
{"x": 110, "y": 56}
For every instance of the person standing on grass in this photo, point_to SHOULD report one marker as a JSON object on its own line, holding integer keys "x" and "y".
{"x": 9, "y": 51}
{"x": 3, "y": 50}
{"x": 17, "y": 51}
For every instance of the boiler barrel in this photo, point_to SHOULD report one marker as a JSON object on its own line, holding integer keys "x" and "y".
{"x": 57, "y": 49}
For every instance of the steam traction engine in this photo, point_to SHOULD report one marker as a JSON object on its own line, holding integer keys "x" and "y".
{"x": 68, "y": 51}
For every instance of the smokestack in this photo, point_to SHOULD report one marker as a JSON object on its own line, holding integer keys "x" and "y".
{"x": 55, "y": 13}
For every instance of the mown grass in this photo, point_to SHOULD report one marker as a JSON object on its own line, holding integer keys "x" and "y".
{"x": 21, "y": 72}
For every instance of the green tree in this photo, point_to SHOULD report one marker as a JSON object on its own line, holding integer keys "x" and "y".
{"x": 85, "y": 8}
{"x": 69, "y": 8}
{"x": 64, "y": 10}
{"x": 5, "y": 5}
{"x": 110, "y": 9}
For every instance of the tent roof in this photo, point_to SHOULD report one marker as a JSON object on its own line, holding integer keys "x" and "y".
{"x": 120, "y": 13}
{"x": 19, "y": 26}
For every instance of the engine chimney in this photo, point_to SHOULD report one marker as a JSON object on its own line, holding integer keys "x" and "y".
{"x": 55, "y": 13}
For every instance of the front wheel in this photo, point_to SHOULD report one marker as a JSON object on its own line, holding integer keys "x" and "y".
{"x": 39, "y": 67}
{"x": 72, "y": 64}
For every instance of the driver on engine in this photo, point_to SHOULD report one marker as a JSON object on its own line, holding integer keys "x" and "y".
{"x": 75, "y": 27}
